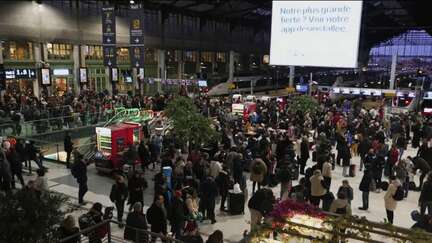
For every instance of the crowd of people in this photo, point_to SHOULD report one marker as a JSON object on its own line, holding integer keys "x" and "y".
{"x": 273, "y": 146}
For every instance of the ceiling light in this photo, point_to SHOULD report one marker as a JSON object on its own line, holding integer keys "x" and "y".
{"x": 132, "y": 2}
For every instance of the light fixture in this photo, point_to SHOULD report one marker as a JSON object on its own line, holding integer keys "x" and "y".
{"x": 132, "y": 2}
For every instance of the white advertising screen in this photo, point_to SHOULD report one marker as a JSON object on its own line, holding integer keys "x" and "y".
{"x": 83, "y": 75}
{"x": 46, "y": 77}
{"x": 315, "y": 33}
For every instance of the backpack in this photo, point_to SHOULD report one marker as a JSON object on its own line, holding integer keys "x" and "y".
{"x": 85, "y": 221}
{"x": 399, "y": 195}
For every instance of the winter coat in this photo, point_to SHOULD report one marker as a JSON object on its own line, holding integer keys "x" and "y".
{"x": 80, "y": 171}
{"x": 177, "y": 212}
{"x": 317, "y": 187}
{"x": 135, "y": 220}
{"x": 68, "y": 145}
{"x": 157, "y": 218}
{"x": 191, "y": 238}
{"x": 389, "y": 202}
{"x": 64, "y": 233}
{"x": 262, "y": 201}
{"x": 223, "y": 182}
{"x": 119, "y": 192}
{"x": 215, "y": 168}
{"x": 327, "y": 170}
{"x": 208, "y": 191}
{"x": 365, "y": 181}
{"x": 136, "y": 188}
{"x": 340, "y": 206}
{"x": 304, "y": 150}
{"x": 258, "y": 170}
{"x": 348, "y": 191}
{"x": 426, "y": 192}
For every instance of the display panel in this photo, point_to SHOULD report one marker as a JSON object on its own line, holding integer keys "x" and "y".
{"x": 45, "y": 76}
{"x": 315, "y": 33}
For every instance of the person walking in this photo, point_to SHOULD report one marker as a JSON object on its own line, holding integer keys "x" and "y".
{"x": 157, "y": 217}
{"x": 208, "y": 194}
{"x": 118, "y": 195}
{"x": 79, "y": 171}
{"x": 390, "y": 199}
{"x": 327, "y": 174}
{"x": 304, "y": 154}
{"x": 345, "y": 154}
{"x": 363, "y": 149}
{"x": 136, "y": 220}
{"x": 68, "y": 148}
{"x": 223, "y": 182}
{"x": 177, "y": 214}
{"x": 5, "y": 172}
{"x": 136, "y": 186}
{"x": 425, "y": 199}
{"x": 258, "y": 171}
{"x": 318, "y": 189}
{"x": 365, "y": 186}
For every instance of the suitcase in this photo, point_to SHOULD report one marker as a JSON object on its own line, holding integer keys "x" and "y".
{"x": 236, "y": 202}
{"x": 352, "y": 170}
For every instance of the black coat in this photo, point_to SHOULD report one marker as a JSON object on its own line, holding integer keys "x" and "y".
{"x": 421, "y": 164}
{"x": 65, "y": 233}
{"x": 119, "y": 192}
{"x": 136, "y": 188}
{"x": 191, "y": 239}
{"x": 208, "y": 191}
{"x": 262, "y": 201}
{"x": 157, "y": 218}
{"x": 365, "y": 181}
{"x": 177, "y": 212}
{"x": 138, "y": 221}
{"x": 223, "y": 182}
{"x": 68, "y": 145}
{"x": 80, "y": 171}
{"x": 426, "y": 192}
{"x": 304, "y": 150}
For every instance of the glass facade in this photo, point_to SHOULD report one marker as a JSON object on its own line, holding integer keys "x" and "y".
{"x": 92, "y": 52}
{"x": 123, "y": 54}
{"x": 59, "y": 51}
{"x": 17, "y": 50}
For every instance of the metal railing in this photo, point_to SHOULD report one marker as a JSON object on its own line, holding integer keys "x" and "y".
{"x": 102, "y": 232}
{"x": 49, "y": 125}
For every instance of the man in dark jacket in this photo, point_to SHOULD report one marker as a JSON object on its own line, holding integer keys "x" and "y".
{"x": 363, "y": 150}
{"x": 304, "y": 154}
{"x": 422, "y": 165}
{"x": 136, "y": 220}
{"x": 118, "y": 195}
{"x": 68, "y": 147}
{"x": 365, "y": 187}
{"x": 177, "y": 214}
{"x": 425, "y": 199}
{"x": 157, "y": 217}
{"x": 79, "y": 171}
{"x": 260, "y": 204}
{"x": 223, "y": 183}
{"x": 208, "y": 194}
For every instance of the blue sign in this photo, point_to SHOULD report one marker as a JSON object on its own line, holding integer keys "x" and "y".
{"x": 109, "y": 37}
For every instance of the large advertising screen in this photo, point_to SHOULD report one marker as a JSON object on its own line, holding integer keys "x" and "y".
{"x": 315, "y": 33}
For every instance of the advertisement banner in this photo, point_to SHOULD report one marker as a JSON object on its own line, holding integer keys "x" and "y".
{"x": 109, "y": 37}
{"x": 136, "y": 32}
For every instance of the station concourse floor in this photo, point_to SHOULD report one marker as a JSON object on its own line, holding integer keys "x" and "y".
{"x": 60, "y": 180}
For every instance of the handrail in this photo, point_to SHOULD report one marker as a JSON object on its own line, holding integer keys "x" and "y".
{"x": 108, "y": 222}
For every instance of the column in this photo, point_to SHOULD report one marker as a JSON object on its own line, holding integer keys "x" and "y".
{"x": 2, "y": 92}
{"x": 231, "y": 65}
{"x": 77, "y": 63}
{"x": 291, "y": 76}
{"x": 214, "y": 64}
{"x": 161, "y": 68}
{"x": 180, "y": 69}
{"x": 198, "y": 65}
{"x": 108, "y": 84}
{"x": 37, "y": 54}
{"x": 83, "y": 64}
{"x": 135, "y": 82}
{"x": 393, "y": 71}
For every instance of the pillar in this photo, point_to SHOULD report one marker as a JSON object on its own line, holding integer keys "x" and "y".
{"x": 83, "y": 64}
{"x": 37, "y": 54}
{"x": 161, "y": 69}
{"x": 2, "y": 92}
{"x": 180, "y": 69}
{"x": 291, "y": 76}
{"x": 45, "y": 58}
{"x": 393, "y": 71}
{"x": 135, "y": 81}
{"x": 77, "y": 63}
{"x": 108, "y": 84}
{"x": 231, "y": 65}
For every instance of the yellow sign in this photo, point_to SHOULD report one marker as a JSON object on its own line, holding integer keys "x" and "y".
{"x": 290, "y": 89}
{"x": 135, "y": 24}
{"x": 231, "y": 86}
{"x": 389, "y": 94}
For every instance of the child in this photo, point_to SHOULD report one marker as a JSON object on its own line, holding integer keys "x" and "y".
{"x": 347, "y": 190}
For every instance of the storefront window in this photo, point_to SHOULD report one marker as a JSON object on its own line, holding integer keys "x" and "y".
{"x": 123, "y": 54}
{"x": 207, "y": 56}
{"x": 150, "y": 56}
{"x": 221, "y": 57}
{"x": 14, "y": 50}
{"x": 190, "y": 56}
{"x": 93, "y": 53}
{"x": 59, "y": 51}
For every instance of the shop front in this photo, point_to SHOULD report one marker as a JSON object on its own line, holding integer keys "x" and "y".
{"x": 62, "y": 78}
{"x": 20, "y": 80}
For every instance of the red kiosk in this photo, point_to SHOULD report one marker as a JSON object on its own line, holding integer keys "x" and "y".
{"x": 112, "y": 142}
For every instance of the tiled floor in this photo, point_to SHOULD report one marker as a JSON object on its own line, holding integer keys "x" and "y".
{"x": 233, "y": 226}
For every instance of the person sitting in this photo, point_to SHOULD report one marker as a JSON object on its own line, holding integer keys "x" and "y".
{"x": 68, "y": 229}
{"x": 341, "y": 205}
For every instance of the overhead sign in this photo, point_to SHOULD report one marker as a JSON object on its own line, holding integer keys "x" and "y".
{"x": 109, "y": 37}
{"x": 61, "y": 72}
{"x": 20, "y": 73}
{"x": 136, "y": 37}
{"x": 315, "y": 33}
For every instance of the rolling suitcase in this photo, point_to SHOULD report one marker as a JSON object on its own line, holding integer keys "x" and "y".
{"x": 236, "y": 202}
{"x": 352, "y": 170}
